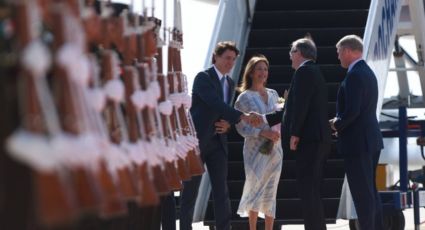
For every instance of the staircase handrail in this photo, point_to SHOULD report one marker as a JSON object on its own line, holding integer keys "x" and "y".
{"x": 379, "y": 39}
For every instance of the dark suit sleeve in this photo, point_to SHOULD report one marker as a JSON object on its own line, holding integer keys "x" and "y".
{"x": 274, "y": 118}
{"x": 352, "y": 102}
{"x": 303, "y": 89}
{"x": 205, "y": 89}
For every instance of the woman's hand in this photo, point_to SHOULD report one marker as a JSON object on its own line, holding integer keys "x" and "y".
{"x": 271, "y": 135}
{"x": 285, "y": 94}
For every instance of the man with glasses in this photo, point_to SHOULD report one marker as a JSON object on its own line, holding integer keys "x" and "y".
{"x": 305, "y": 129}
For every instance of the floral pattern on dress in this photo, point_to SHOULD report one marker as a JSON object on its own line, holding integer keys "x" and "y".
{"x": 262, "y": 172}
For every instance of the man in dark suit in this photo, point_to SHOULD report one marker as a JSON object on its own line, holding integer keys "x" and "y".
{"x": 305, "y": 129}
{"x": 212, "y": 115}
{"x": 359, "y": 137}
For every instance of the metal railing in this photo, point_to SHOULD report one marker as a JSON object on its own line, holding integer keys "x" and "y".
{"x": 379, "y": 39}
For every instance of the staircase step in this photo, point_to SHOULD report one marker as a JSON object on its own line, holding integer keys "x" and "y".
{"x": 309, "y": 19}
{"x": 287, "y": 188}
{"x": 280, "y": 55}
{"x": 285, "y": 209}
{"x": 242, "y": 223}
{"x": 273, "y": 5}
{"x": 284, "y": 37}
{"x": 334, "y": 168}
{"x": 283, "y": 73}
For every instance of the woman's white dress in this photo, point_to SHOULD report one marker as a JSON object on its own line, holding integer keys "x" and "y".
{"x": 262, "y": 172}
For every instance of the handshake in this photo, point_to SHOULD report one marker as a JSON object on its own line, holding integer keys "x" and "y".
{"x": 252, "y": 118}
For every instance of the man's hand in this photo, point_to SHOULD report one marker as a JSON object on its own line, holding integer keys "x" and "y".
{"x": 222, "y": 126}
{"x": 253, "y": 119}
{"x": 332, "y": 123}
{"x": 293, "y": 143}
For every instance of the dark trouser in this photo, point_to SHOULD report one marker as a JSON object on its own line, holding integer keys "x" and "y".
{"x": 143, "y": 217}
{"x": 310, "y": 160}
{"x": 361, "y": 175}
{"x": 216, "y": 160}
{"x": 168, "y": 212}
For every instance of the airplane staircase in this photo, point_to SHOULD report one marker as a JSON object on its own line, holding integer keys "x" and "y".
{"x": 275, "y": 25}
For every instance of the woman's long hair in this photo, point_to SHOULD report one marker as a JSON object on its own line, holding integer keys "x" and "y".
{"x": 249, "y": 69}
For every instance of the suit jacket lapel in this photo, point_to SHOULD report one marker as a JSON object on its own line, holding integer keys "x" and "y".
{"x": 289, "y": 92}
{"x": 295, "y": 75}
{"x": 231, "y": 89}
{"x": 340, "y": 104}
{"x": 289, "y": 101}
{"x": 214, "y": 78}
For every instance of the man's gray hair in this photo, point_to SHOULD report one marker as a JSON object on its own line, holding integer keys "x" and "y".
{"x": 306, "y": 47}
{"x": 352, "y": 42}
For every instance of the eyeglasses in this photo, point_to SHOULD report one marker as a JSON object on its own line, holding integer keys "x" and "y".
{"x": 291, "y": 52}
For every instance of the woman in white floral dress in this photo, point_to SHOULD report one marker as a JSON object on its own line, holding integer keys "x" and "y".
{"x": 262, "y": 161}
